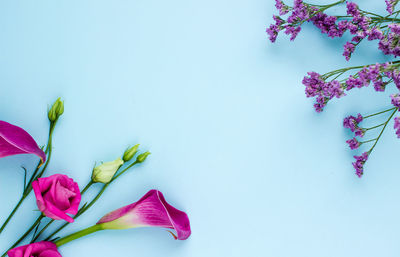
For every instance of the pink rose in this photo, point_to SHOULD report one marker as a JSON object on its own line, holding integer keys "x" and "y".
{"x": 39, "y": 249}
{"x": 56, "y": 196}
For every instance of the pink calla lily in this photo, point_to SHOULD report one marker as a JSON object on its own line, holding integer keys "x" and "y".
{"x": 150, "y": 211}
{"x": 14, "y": 140}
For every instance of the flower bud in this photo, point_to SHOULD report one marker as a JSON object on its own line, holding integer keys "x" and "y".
{"x": 130, "y": 152}
{"x": 56, "y": 110}
{"x": 106, "y": 171}
{"x": 142, "y": 157}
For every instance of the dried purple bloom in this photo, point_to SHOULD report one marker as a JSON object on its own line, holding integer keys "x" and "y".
{"x": 352, "y": 9}
{"x": 395, "y": 75}
{"x": 397, "y": 126}
{"x": 351, "y": 122}
{"x": 282, "y": 8}
{"x": 292, "y": 31}
{"x": 390, "y": 4}
{"x": 395, "y": 100}
{"x": 323, "y": 91}
{"x": 348, "y": 50}
{"x": 359, "y": 163}
{"x": 353, "y": 143}
{"x": 390, "y": 44}
{"x": 374, "y": 34}
{"x": 274, "y": 29}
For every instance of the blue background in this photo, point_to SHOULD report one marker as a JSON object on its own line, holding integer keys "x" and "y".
{"x": 234, "y": 141}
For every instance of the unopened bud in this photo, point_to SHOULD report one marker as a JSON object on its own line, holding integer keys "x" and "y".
{"x": 56, "y": 110}
{"x": 142, "y": 157}
{"x": 106, "y": 171}
{"x": 130, "y": 152}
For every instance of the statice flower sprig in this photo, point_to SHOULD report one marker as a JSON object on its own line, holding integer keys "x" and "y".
{"x": 354, "y": 124}
{"x": 360, "y": 25}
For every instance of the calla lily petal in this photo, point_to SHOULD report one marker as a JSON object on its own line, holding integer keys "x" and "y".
{"x": 14, "y": 140}
{"x": 152, "y": 210}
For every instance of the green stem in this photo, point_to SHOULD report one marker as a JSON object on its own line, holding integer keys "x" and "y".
{"x": 374, "y": 127}
{"x": 50, "y": 222}
{"x": 25, "y": 235}
{"x": 28, "y": 187}
{"x": 383, "y": 129}
{"x": 12, "y": 214}
{"x": 78, "y": 234}
{"x": 371, "y": 115}
{"x": 41, "y": 231}
{"x": 85, "y": 208}
{"x": 364, "y": 142}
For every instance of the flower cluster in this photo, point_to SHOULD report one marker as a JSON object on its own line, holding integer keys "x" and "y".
{"x": 356, "y": 22}
{"x": 390, "y": 44}
{"x": 323, "y": 91}
{"x": 390, "y": 4}
{"x": 359, "y": 163}
{"x": 360, "y": 25}
{"x": 352, "y": 123}
{"x": 397, "y": 126}
{"x": 58, "y": 196}
{"x": 300, "y": 13}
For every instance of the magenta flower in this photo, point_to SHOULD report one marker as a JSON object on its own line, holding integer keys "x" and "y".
{"x": 14, "y": 140}
{"x": 150, "y": 211}
{"x": 57, "y": 196}
{"x": 39, "y": 249}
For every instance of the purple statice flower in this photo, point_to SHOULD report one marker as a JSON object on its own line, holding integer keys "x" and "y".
{"x": 281, "y": 7}
{"x": 360, "y": 35}
{"x": 348, "y": 50}
{"x": 274, "y": 29}
{"x": 353, "y": 143}
{"x": 390, "y": 44}
{"x": 293, "y": 31}
{"x": 352, "y": 123}
{"x": 374, "y": 34}
{"x": 371, "y": 73}
{"x": 395, "y": 28}
{"x": 359, "y": 26}
{"x": 359, "y": 163}
{"x": 352, "y": 9}
{"x": 313, "y": 83}
{"x": 395, "y": 100}
{"x": 390, "y": 4}
{"x": 394, "y": 75}
{"x": 353, "y": 82}
{"x": 323, "y": 91}
{"x": 397, "y": 126}
{"x": 327, "y": 25}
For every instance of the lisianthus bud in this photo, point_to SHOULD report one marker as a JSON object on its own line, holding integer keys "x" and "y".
{"x": 56, "y": 110}
{"x": 130, "y": 152}
{"x": 105, "y": 172}
{"x": 142, "y": 157}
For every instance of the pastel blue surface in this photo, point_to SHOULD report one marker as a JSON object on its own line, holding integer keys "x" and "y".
{"x": 234, "y": 141}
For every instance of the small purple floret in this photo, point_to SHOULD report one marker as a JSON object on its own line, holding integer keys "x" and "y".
{"x": 359, "y": 163}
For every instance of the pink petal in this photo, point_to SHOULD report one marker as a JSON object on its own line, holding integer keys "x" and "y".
{"x": 150, "y": 211}
{"x": 57, "y": 196}
{"x": 14, "y": 140}
{"x": 39, "y": 249}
